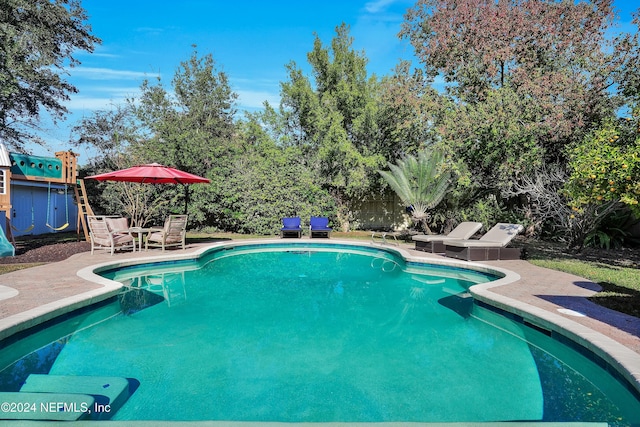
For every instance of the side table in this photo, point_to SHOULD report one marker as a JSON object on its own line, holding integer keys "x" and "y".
{"x": 138, "y": 234}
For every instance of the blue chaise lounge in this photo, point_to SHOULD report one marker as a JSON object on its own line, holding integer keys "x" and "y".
{"x": 291, "y": 227}
{"x": 319, "y": 227}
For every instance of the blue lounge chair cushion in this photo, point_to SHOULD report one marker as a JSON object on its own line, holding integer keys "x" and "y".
{"x": 319, "y": 223}
{"x": 291, "y": 224}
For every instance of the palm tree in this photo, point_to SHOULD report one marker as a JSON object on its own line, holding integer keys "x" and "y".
{"x": 421, "y": 183}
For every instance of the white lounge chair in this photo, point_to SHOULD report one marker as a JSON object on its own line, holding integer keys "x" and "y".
{"x": 109, "y": 233}
{"x": 491, "y": 246}
{"x": 172, "y": 234}
{"x": 434, "y": 243}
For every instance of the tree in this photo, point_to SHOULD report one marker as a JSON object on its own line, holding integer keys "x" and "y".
{"x": 191, "y": 128}
{"x": 629, "y": 80}
{"x": 494, "y": 140}
{"x": 267, "y": 182}
{"x": 553, "y": 54}
{"x": 38, "y": 38}
{"x": 525, "y": 80}
{"x": 605, "y": 167}
{"x": 420, "y": 181}
{"x": 409, "y": 106}
{"x": 109, "y": 132}
{"x": 334, "y": 120}
{"x": 602, "y": 178}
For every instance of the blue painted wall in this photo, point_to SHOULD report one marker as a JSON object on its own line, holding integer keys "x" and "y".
{"x": 34, "y": 202}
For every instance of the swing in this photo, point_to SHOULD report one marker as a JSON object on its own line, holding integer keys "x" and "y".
{"x": 66, "y": 205}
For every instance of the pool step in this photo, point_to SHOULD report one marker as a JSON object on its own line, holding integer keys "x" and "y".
{"x": 45, "y": 406}
{"x": 109, "y": 393}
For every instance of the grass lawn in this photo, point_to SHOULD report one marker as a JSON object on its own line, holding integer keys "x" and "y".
{"x": 620, "y": 284}
{"x": 8, "y": 268}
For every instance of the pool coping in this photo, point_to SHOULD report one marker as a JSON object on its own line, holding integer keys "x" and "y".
{"x": 625, "y": 361}
{"x": 22, "y": 321}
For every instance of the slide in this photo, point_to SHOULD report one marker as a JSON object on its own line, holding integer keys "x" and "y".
{"x": 6, "y": 248}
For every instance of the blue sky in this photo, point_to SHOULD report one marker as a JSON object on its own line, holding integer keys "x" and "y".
{"x": 250, "y": 40}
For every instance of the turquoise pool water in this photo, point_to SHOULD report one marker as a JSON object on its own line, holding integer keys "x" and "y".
{"x": 317, "y": 335}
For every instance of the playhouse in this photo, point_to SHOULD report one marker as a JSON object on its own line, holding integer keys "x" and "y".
{"x": 37, "y": 193}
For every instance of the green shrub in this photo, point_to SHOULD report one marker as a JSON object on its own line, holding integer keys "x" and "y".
{"x": 262, "y": 186}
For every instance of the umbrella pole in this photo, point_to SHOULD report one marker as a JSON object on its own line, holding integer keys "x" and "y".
{"x": 186, "y": 197}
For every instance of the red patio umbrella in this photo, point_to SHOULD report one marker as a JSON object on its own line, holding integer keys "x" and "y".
{"x": 153, "y": 173}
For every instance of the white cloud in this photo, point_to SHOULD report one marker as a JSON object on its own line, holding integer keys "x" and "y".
{"x": 256, "y": 81}
{"x": 90, "y": 103}
{"x": 101, "y": 51}
{"x": 252, "y": 92}
{"x": 114, "y": 90}
{"x": 247, "y": 99}
{"x": 150, "y": 31}
{"x": 253, "y": 99}
{"x": 377, "y": 5}
{"x": 94, "y": 73}
{"x": 104, "y": 55}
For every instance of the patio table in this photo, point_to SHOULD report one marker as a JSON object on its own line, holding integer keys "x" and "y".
{"x": 138, "y": 234}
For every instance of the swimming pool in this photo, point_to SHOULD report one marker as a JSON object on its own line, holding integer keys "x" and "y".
{"x": 320, "y": 333}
